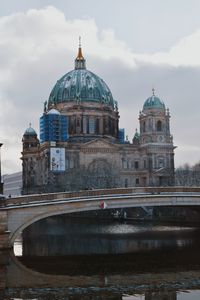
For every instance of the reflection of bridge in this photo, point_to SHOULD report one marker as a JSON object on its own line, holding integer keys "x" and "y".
{"x": 18, "y": 213}
{"x": 16, "y": 275}
{"x": 162, "y": 285}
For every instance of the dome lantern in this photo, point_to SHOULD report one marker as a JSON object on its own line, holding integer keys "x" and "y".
{"x": 80, "y": 62}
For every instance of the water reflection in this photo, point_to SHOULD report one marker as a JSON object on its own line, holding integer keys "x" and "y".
{"x": 169, "y": 268}
{"x": 72, "y": 236}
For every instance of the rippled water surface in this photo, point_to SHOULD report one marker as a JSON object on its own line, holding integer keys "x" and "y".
{"x": 154, "y": 262}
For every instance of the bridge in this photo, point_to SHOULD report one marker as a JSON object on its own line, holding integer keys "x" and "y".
{"x": 18, "y": 213}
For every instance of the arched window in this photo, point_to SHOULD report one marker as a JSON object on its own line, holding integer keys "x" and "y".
{"x": 137, "y": 181}
{"x": 92, "y": 125}
{"x": 124, "y": 163}
{"x": 159, "y": 126}
{"x": 136, "y": 165}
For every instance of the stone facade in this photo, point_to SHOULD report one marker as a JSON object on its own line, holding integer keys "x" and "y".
{"x": 94, "y": 157}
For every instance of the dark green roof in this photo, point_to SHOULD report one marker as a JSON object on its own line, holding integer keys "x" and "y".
{"x": 81, "y": 85}
{"x": 30, "y": 131}
{"x": 154, "y": 102}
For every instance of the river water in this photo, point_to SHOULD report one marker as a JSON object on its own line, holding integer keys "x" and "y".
{"x": 86, "y": 259}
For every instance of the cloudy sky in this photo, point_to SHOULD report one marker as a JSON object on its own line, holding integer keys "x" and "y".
{"x": 132, "y": 44}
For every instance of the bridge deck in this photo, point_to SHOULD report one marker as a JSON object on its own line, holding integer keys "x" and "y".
{"x": 126, "y": 193}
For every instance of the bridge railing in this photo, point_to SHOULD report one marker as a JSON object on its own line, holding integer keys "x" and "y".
{"x": 27, "y": 199}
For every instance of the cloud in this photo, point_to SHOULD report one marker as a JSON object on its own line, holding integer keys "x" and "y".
{"x": 184, "y": 53}
{"x": 39, "y": 46}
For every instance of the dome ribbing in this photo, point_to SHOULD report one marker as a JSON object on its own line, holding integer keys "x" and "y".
{"x": 81, "y": 85}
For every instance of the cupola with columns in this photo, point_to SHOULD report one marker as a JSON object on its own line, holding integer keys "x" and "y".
{"x": 154, "y": 121}
{"x": 30, "y": 139}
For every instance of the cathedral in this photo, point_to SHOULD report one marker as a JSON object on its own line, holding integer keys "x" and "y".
{"x": 81, "y": 146}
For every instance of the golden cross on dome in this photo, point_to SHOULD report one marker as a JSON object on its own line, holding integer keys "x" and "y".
{"x": 80, "y": 55}
{"x": 80, "y": 60}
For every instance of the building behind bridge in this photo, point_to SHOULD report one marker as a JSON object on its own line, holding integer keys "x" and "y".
{"x": 82, "y": 147}
{"x": 12, "y": 184}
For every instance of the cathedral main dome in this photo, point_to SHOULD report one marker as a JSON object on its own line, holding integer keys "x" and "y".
{"x": 87, "y": 103}
{"x": 81, "y": 85}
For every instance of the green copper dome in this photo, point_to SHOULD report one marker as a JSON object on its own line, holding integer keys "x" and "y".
{"x": 81, "y": 85}
{"x": 153, "y": 102}
{"x": 30, "y": 132}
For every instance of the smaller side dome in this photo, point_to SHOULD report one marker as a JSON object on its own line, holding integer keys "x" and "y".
{"x": 153, "y": 102}
{"x": 30, "y": 131}
{"x": 53, "y": 111}
{"x": 30, "y": 139}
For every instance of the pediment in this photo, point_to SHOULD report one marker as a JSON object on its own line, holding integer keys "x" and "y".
{"x": 162, "y": 172}
{"x": 99, "y": 144}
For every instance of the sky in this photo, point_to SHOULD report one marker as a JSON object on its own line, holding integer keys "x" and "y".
{"x": 132, "y": 44}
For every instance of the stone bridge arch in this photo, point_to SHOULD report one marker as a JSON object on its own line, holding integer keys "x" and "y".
{"x": 19, "y": 219}
{"x": 21, "y": 216}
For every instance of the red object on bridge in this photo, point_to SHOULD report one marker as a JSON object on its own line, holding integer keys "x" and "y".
{"x": 103, "y": 205}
